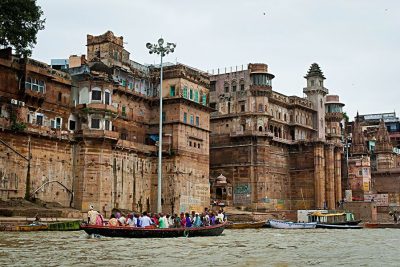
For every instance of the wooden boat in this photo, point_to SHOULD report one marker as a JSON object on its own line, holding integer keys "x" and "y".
{"x": 245, "y": 225}
{"x": 381, "y": 225}
{"x": 331, "y": 219}
{"x": 30, "y": 228}
{"x": 291, "y": 225}
{"x": 138, "y": 232}
{"x": 338, "y": 226}
{"x": 64, "y": 226}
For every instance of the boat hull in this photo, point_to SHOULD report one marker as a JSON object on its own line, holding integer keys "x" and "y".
{"x": 30, "y": 228}
{"x": 64, "y": 226}
{"x": 246, "y": 225}
{"x": 291, "y": 225}
{"x": 138, "y": 232}
{"x": 338, "y": 226}
{"x": 381, "y": 225}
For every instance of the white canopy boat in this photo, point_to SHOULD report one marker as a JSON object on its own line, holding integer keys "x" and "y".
{"x": 291, "y": 225}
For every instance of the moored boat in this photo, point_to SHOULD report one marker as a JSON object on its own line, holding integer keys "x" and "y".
{"x": 291, "y": 225}
{"x": 139, "y": 232}
{"x": 338, "y": 226}
{"x": 245, "y": 225}
{"x": 334, "y": 220}
{"x": 64, "y": 226}
{"x": 381, "y": 225}
{"x": 30, "y": 228}
{"x": 338, "y": 218}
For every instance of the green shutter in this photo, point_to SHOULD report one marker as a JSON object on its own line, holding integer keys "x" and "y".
{"x": 196, "y": 96}
{"x": 204, "y": 100}
{"x": 172, "y": 90}
{"x": 185, "y": 92}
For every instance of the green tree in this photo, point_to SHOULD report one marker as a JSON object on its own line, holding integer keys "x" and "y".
{"x": 20, "y": 21}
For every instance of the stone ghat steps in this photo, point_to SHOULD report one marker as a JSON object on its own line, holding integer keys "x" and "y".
{"x": 11, "y": 223}
{"x": 41, "y": 212}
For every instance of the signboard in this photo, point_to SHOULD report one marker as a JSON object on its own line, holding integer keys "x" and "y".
{"x": 242, "y": 194}
{"x": 381, "y": 200}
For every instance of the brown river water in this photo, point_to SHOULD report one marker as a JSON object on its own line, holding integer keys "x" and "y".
{"x": 250, "y": 247}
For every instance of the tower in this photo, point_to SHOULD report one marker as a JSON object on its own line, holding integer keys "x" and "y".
{"x": 383, "y": 148}
{"x": 333, "y": 151}
{"x": 316, "y": 93}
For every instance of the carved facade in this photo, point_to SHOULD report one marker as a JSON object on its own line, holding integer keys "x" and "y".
{"x": 94, "y": 131}
{"x": 275, "y": 151}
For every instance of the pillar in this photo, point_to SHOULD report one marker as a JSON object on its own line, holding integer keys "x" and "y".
{"x": 338, "y": 175}
{"x": 330, "y": 176}
{"x": 319, "y": 175}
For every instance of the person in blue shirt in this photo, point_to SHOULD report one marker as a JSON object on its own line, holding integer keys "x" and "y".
{"x": 188, "y": 220}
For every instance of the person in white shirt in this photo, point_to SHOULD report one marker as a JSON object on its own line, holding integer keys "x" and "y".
{"x": 220, "y": 217}
{"x": 145, "y": 220}
{"x": 132, "y": 221}
{"x": 92, "y": 215}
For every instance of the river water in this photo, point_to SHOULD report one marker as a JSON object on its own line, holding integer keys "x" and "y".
{"x": 250, "y": 247}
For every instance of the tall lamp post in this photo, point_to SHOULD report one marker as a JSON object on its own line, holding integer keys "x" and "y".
{"x": 161, "y": 50}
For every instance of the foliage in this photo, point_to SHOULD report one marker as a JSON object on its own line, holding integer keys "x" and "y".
{"x": 345, "y": 117}
{"x": 15, "y": 125}
{"x": 20, "y": 21}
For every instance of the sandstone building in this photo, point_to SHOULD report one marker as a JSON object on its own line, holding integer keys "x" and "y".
{"x": 93, "y": 131}
{"x": 374, "y": 160}
{"x": 272, "y": 151}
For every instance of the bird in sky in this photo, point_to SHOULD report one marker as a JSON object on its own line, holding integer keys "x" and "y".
{"x": 264, "y": 13}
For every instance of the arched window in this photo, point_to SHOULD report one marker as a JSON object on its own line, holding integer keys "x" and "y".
{"x": 107, "y": 97}
{"x": 260, "y": 128}
{"x": 234, "y": 86}
{"x": 284, "y": 117}
{"x": 226, "y": 87}
{"x": 260, "y": 108}
{"x": 241, "y": 85}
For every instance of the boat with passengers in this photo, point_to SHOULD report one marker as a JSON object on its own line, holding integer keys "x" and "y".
{"x": 153, "y": 232}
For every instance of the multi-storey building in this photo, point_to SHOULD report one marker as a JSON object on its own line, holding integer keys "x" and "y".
{"x": 93, "y": 131}
{"x": 374, "y": 161}
{"x": 273, "y": 151}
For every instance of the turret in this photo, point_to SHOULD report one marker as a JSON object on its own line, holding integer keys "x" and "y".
{"x": 333, "y": 116}
{"x": 316, "y": 93}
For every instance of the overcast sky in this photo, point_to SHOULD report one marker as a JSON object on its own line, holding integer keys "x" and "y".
{"x": 356, "y": 43}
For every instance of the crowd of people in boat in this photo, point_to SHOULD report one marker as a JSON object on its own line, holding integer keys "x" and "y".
{"x": 159, "y": 220}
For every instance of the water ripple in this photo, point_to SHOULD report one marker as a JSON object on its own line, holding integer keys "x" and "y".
{"x": 263, "y": 247}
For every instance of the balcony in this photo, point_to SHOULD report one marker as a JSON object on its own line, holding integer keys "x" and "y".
{"x": 240, "y": 133}
{"x": 97, "y": 108}
{"x": 91, "y": 133}
{"x": 334, "y": 116}
{"x": 38, "y": 95}
{"x": 129, "y": 145}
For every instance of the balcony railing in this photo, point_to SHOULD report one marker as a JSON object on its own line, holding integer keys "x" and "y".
{"x": 93, "y": 133}
{"x": 97, "y": 107}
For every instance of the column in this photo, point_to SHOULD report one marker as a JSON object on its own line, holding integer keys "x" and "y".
{"x": 330, "y": 176}
{"x": 338, "y": 175}
{"x": 319, "y": 175}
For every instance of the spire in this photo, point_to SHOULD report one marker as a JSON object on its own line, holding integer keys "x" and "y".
{"x": 315, "y": 71}
{"x": 358, "y": 139}
{"x": 383, "y": 143}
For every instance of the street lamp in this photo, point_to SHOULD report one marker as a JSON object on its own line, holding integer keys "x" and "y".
{"x": 161, "y": 50}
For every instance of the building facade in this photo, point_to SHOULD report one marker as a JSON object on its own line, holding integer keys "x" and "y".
{"x": 374, "y": 160}
{"x": 93, "y": 131}
{"x": 272, "y": 151}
